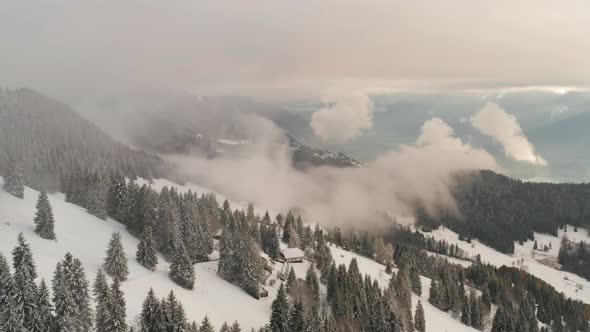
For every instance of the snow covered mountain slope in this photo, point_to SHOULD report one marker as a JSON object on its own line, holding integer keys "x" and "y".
{"x": 571, "y": 285}
{"x": 86, "y": 237}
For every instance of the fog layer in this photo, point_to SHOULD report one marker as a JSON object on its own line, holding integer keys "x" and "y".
{"x": 393, "y": 184}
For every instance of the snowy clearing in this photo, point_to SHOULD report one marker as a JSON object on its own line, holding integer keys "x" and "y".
{"x": 571, "y": 285}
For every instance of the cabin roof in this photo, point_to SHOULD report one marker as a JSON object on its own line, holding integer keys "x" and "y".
{"x": 292, "y": 253}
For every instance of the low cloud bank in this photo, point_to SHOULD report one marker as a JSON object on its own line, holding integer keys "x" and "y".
{"x": 421, "y": 173}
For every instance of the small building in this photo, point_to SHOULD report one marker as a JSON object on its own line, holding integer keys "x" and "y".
{"x": 293, "y": 255}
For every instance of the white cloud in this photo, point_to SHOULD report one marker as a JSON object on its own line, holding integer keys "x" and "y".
{"x": 345, "y": 119}
{"x": 263, "y": 46}
{"x": 420, "y": 173}
{"x": 504, "y": 128}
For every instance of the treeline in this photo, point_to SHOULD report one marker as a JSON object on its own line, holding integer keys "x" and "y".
{"x": 48, "y": 141}
{"x": 366, "y": 244}
{"x": 514, "y": 292}
{"x": 499, "y": 210}
{"x": 575, "y": 257}
{"x": 509, "y": 288}
{"x": 415, "y": 238}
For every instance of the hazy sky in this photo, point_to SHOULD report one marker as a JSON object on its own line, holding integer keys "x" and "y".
{"x": 275, "y": 47}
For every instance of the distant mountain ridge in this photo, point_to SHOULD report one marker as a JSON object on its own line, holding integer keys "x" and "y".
{"x": 49, "y": 140}
{"x": 209, "y": 126}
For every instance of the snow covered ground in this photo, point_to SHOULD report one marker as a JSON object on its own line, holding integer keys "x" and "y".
{"x": 86, "y": 237}
{"x": 571, "y": 285}
{"x": 436, "y": 320}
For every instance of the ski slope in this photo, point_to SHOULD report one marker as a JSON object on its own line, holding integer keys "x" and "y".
{"x": 571, "y": 285}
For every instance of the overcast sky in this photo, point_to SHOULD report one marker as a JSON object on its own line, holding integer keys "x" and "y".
{"x": 279, "y": 47}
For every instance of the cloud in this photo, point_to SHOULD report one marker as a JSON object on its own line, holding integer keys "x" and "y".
{"x": 248, "y": 47}
{"x": 436, "y": 132}
{"x": 504, "y": 128}
{"x": 345, "y": 119}
{"x": 394, "y": 183}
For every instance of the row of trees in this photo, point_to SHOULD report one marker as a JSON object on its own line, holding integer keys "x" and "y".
{"x": 499, "y": 210}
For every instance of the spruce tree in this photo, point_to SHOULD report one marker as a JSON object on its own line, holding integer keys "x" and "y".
{"x": 486, "y": 298}
{"x": 173, "y": 313}
{"x": 6, "y": 282}
{"x": 182, "y": 270}
{"x": 501, "y": 322}
{"x": 291, "y": 279}
{"x": 236, "y": 327}
{"x": 227, "y": 261}
{"x": 273, "y": 243}
{"x": 14, "y": 182}
{"x": 466, "y": 312}
{"x": 251, "y": 271}
{"x": 71, "y": 296}
{"x": 24, "y": 298}
{"x": 279, "y": 319}
{"x": 403, "y": 292}
{"x": 311, "y": 279}
{"x": 96, "y": 199}
{"x": 146, "y": 250}
{"x": 25, "y": 289}
{"x": 10, "y": 319}
{"x": 22, "y": 257}
{"x": 476, "y": 319}
{"x": 66, "y": 310}
{"x": 296, "y": 318}
{"x": 419, "y": 322}
{"x": 117, "y": 198}
{"x": 416, "y": 281}
{"x": 117, "y": 318}
{"x": 224, "y": 327}
{"x": 101, "y": 293}
{"x": 44, "y": 222}
{"x": 433, "y": 295}
{"x": 206, "y": 325}
{"x": 81, "y": 296}
{"x": 151, "y": 314}
{"x": 115, "y": 263}
{"x": 45, "y": 317}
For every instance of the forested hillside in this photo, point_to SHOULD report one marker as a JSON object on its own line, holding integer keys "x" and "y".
{"x": 47, "y": 140}
{"x": 499, "y": 210}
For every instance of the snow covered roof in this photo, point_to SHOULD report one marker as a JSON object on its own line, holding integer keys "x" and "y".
{"x": 292, "y": 253}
